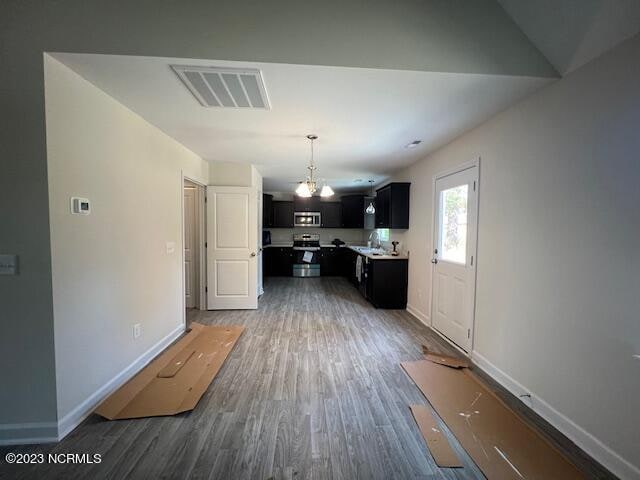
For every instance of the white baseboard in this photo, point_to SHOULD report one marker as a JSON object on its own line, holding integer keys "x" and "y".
{"x": 28, "y": 433}
{"x": 423, "y": 317}
{"x": 620, "y": 467}
{"x": 427, "y": 322}
{"x": 76, "y": 416}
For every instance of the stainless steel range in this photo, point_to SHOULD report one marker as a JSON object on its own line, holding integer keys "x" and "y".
{"x": 306, "y": 249}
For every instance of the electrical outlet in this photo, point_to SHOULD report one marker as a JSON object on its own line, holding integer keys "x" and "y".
{"x": 137, "y": 330}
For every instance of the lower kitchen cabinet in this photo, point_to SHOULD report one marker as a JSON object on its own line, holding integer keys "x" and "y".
{"x": 386, "y": 283}
{"x": 330, "y": 262}
{"x": 277, "y": 261}
{"x": 348, "y": 268}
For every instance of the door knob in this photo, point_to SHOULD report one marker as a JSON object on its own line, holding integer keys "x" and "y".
{"x": 253, "y": 254}
{"x": 434, "y": 260}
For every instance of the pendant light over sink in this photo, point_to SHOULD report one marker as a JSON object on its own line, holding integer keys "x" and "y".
{"x": 371, "y": 209}
{"x": 308, "y": 187}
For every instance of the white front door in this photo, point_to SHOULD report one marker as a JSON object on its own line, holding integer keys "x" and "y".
{"x": 190, "y": 257}
{"x": 232, "y": 240}
{"x": 454, "y": 262}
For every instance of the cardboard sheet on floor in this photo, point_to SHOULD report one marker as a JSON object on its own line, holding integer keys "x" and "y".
{"x": 436, "y": 440}
{"x": 502, "y": 445}
{"x": 175, "y": 380}
{"x": 442, "y": 359}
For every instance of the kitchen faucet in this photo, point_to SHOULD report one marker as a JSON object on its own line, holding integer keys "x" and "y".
{"x": 374, "y": 239}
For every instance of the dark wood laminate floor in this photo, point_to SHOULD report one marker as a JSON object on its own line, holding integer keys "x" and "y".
{"x": 313, "y": 389}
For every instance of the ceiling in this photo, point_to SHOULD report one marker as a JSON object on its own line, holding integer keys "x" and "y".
{"x": 570, "y": 33}
{"x": 427, "y": 70}
{"x": 363, "y": 117}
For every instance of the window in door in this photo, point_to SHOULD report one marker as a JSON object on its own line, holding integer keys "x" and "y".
{"x": 453, "y": 215}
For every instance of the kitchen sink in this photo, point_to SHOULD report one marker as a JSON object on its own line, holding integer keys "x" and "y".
{"x": 370, "y": 251}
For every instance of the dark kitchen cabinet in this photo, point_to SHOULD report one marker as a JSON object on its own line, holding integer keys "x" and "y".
{"x": 353, "y": 211}
{"x": 331, "y": 213}
{"x": 382, "y": 208}
{"x": 306, "y": 204}
{"x": 392, "y": 206}
{"x": 330, "y": 261}
{"x": 384, "y": 282}
{"x": 267, "y": 261}
{"x": 282, "y": 214}
{"x": 267, "y": 210}
{"x": 277, "y": 261}
{"x": 348, "y": 264}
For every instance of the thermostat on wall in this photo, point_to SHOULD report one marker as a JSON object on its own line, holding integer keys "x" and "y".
{"x": 80, "y": 206}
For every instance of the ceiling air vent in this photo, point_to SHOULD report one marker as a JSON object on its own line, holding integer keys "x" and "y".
{"x": 225, "y": 87}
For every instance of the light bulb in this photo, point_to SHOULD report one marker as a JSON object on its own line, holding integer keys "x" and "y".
{"x": 327, "y": 191}
{"x": 303, "y": 190}
{"x": 371, "y": 209}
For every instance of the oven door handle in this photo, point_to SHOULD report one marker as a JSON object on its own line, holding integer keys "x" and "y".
{"x": 307, "y": 249}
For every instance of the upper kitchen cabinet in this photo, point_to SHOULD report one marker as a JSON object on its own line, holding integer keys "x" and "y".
{"x": 267, "y": 210}
{"x": 392, "y": 206}
{"x": 306, "y": 204}
{"x": 353, "y": 211}
{"x": 331, "y": 214}
{"x": 282, "y": 214}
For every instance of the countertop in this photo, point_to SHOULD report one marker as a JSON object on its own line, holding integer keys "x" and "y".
{"x": 355, "y": 248}
{"x": 371, "y": 256}
{"x": 290, "y": 244}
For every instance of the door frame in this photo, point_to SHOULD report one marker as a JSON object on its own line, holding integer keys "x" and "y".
{"x": 259, "y": 247}
{"x": 475, "y": 162}
{"x": 201, "y": 241}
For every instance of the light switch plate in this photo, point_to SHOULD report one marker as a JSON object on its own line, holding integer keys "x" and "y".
{"x": 80, "y": 206}
{"x": 8, "y": 264}
{"x": 171, "y": 247}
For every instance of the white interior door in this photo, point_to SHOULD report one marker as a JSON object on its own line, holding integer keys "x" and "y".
{"x": 232, "y": 261}
{"x": 260, "y": 273}
{"x": 454, "y": 262}
{"x": 190, "y": 247}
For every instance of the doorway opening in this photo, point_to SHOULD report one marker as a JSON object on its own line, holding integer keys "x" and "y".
{"x": 454, "y": 256}
{"x": 194, "y": 253}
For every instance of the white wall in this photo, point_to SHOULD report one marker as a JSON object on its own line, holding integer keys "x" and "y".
{"x": 231, "y": 174}
{"x": 111, "y": 269}
{"x": 558, "y": 265}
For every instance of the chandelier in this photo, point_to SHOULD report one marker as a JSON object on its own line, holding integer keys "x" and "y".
{"x": 308, "y": 187}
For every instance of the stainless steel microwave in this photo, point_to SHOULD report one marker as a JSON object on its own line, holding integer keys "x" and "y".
{"x": 307, "y": 219}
